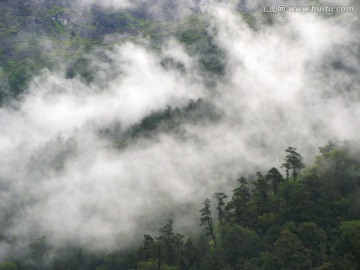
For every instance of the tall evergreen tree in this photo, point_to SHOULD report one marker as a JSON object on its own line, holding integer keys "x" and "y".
{"x": 237, "y": 208}
{"x": 167, "y": 240}
{"x": 260, "y": 195}
{"x": 293, "y": 161}
{"x": 207, "y": 220}
{"x": 275, "y": 178}
{"x": 221, "y": 197}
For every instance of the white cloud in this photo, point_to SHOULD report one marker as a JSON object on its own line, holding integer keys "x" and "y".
{"x": 280, "y": 89}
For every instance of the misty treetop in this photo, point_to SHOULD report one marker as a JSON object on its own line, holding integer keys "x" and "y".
{"x": 307, "y": 220}
{"x": 121, "y": 117}
{"x": 297, "y": 222}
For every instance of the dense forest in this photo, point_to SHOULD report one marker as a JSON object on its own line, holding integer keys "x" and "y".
{"x": 307, "y": 219}
{"x": 38, "y": 35}
{"x": 116, "y": 121}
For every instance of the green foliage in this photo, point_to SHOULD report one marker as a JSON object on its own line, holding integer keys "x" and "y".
{"x": 275, "y": 178}
{"x": 71, "y": 39}
{"x": 294, "y": 202}
{"x": 167, "y": 251}
{"x": 237, "y": 209}
{"x": 57, "y": 10}
{"x": 117, "y": 260}
{"x": 153, "y": 264}
{"x": 326, "y": 266}
{"x": 150, "y": 264}
{"x": 313, "y": 239}
{"x": 141, "y": 25}
{"x": 221, "y": 197}
{"x": 193, "y": 31}
{"x": 295, "y": 224}
{"x": 59, "y": 27}
{"x": 207, "y": 220}
{"x": 293, "y": 161}
{"x": 38, "y": 248}
{"x": 168, "y": 120}
{"x": 281, "y": 224}
{"x": 239, "y": 244}
{"x": 349, "y": 240}
{"x": 194, "y": 34}
{"x": 10, "y": 31}
{"x": 261, "y": 194}
{"x": 81, "y": 67}
{"x": 8, "y": 266}
{"x": 19, "y": 74}
{"x": 290, "y": 252}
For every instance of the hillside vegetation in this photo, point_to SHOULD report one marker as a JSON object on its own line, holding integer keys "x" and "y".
{"x": 309, "y": 219}
{"x": 55, "y": 35}
{"x": 289, "y": 217}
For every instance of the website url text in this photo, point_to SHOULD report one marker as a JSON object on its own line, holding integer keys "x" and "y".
{"x": 327, "y": 9}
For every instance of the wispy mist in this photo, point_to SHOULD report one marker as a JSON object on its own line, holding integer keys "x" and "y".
{"x": 294, "y": 82}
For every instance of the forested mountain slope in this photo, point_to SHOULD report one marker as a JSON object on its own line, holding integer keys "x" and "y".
{"x": 308, "y": 219}
{"x": 121, "y": 117}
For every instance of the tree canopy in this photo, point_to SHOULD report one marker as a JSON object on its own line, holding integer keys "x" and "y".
{"x": 309, "y": 219}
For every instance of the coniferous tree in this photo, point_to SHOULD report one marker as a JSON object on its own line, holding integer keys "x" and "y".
{"x": 237, "y": 208}
{"x": 293, "y": 161}
{"x": 207, "y": 220}
{"x": 275, "y": 178}
{"x": 260, "y": 194}
{"x": 221, "y": 197}
{"x": 167, "y": 241}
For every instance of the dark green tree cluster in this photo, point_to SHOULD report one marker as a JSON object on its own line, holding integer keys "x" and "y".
{"x": 168, "y": 251}
{"x": 309, "y": 219}
{"x": 169, "y": 120}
